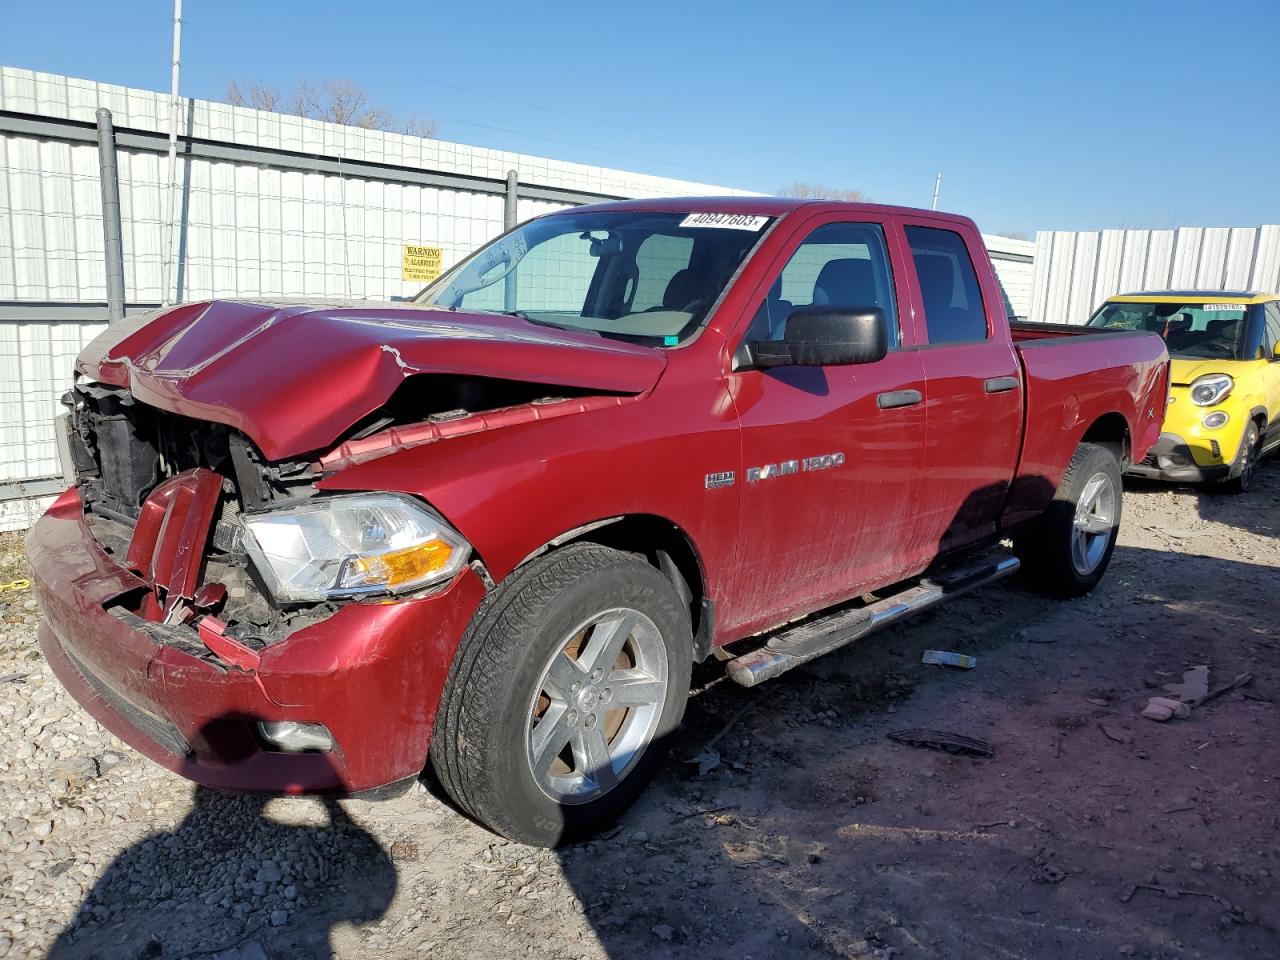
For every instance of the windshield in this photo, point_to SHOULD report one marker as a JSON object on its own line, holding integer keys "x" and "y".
{"x": 1191, "y": 331}
{"x": 645, "y": 277}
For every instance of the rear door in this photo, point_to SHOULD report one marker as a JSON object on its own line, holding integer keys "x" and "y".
{"x": 831, "y": 456}
{"x": 974, "y": 395}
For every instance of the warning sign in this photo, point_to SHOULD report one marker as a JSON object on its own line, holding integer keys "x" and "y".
{"x": 422, "y": 263}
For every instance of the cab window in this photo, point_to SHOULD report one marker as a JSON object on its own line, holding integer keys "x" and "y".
{"x": 838, "y": 265}
{"x": 953, "y": 308}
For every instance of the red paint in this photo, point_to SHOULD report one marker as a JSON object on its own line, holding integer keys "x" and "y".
{"x": 954, "y": 471}
{"x": 168, "y": 541}
{"x": 212, "y": 633}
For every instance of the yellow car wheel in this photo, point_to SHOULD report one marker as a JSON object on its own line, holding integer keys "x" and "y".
{"x": 1250, "y": 450}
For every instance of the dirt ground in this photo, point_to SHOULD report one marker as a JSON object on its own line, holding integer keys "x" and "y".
{"x": 1091, "y": 833}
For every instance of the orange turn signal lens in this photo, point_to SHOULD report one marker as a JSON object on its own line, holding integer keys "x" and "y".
{"x": 399, "y": 568}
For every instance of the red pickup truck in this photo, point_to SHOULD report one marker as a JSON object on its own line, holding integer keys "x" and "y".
{"x": 315, "y": 548}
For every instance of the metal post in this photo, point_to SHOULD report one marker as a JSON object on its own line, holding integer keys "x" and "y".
{"x": 509, "y": 215}
{"x": 174, "y": 120}
{"x": 112, "y": 244}
{"x": 937, "y": 185}
{"x": 509, "y": 210}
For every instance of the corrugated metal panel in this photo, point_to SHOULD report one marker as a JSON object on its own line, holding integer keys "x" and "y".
{"x": 1074, "y": 272}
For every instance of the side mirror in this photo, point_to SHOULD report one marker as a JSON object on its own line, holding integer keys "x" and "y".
{"x": 1275, "y": 351}
{"x": 821, "y": 336}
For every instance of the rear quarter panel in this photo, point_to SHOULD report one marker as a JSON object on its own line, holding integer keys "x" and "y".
{"x": 1073, "y": 380}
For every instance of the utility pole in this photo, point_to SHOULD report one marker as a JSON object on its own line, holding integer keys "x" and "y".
{"x": 175, "y": 117}
{"x": 937, "y": 185}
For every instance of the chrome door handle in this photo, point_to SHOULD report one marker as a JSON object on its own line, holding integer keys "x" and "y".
{"x": 898, "y": 398}
{"x": 1000, "y": 384}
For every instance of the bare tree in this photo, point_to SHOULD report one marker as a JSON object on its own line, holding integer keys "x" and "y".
{"x": 416, "y": 125}
{"x": 334, "y": 101}
{"x": 819, "y": 191}
{"x": 256, "y": 95}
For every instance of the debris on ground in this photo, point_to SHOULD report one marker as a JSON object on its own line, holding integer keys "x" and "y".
{"x": 943, "y": 740}
{"x": 1161, "y": 709}
{"x": 1241, "y": 680}
{"x": 945, "y": 658}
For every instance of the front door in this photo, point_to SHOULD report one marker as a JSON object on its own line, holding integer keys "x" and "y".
{"x": 831, "y": 456}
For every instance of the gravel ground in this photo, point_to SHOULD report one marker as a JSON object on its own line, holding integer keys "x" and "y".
{"x": 803, "y": 830}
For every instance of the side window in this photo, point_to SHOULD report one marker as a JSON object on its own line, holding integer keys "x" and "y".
{"x": 658, "y": 260}
{"x": 953, "y": 309}
{"x": 839, "y": 264}
{"x": 1271, "y": 328}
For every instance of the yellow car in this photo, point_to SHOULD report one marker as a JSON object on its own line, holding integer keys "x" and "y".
{"x": 1224, "y": 402}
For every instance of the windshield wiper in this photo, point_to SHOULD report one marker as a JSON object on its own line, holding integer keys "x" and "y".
{"x": 540, "y": 322}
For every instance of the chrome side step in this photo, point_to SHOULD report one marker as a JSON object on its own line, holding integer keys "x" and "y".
{"x": 806, "y": 641}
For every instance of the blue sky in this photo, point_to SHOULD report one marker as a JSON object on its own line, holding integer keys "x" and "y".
{"x": 1040, "y": 115}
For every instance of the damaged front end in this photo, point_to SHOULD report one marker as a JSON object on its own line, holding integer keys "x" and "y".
{"x": 241, "y": 549}
{"x": 165, "y": 495}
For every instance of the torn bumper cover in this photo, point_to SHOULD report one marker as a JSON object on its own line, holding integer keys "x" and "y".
{"x": 1172, "y": 459}
{"x": 163, "y": 690}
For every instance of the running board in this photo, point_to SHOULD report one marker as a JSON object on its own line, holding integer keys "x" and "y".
{"x": 811, "y": 639}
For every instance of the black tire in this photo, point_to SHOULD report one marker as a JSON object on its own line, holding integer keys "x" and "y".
{"x": 1246, "y": 462}
{"x": 1048, "y": 548}
{"x": 480, "y": 748}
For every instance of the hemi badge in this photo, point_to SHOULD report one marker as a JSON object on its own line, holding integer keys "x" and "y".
{"x": 724, "y": 478}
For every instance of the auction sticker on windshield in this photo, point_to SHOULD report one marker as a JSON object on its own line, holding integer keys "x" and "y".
{"x": 726, "y": 221}
{"x": 1222, "y": 306}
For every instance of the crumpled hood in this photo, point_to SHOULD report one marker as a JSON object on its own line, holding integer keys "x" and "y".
{"x": 293, "y": 377}
{"x": 1183, "y": 373}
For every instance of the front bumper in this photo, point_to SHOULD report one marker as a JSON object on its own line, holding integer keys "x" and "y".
{"x": 372, "y": 673}
{"x": 1172, "y": 459}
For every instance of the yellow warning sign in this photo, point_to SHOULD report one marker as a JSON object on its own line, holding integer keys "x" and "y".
{"x": 422, "y": 263}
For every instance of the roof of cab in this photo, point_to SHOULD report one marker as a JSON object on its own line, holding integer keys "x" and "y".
{"x": 1179, "y": 296}
{"x": 755, "y": 206}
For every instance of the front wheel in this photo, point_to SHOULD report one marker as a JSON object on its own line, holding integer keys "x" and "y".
{"x": 1066, "y": 552}
{"x": 1250, "y": 452}
{"x": 560, "y": 696}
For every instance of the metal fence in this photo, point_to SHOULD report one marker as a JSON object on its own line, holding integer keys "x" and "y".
{"x": 1077, "y": 271}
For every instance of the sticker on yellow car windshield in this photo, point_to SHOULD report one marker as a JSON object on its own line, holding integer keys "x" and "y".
{"x": 1223, "y": 306}
{"x": 726, "y": 221}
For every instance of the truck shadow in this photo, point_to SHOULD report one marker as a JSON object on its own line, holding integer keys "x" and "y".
{"x": 230, "y": 874}
{"x": 813, "y": 835}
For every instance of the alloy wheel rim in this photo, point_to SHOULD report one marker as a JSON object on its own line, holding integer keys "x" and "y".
{"x": 596, "y": 706}
{"x": 1246, "y": 467}
{"x": 1095, "y": 520}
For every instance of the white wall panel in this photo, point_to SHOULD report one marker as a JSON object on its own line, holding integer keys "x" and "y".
{"x": 1124, "y": 261}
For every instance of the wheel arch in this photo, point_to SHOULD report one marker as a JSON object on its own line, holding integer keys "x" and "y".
{"x": 666, "y": 546}
{"x": 1111, "y": 430}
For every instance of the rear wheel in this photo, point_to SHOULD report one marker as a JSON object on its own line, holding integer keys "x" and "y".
{"x": 1067, "y": 550}
{"x": 1250, "y": 451}
{"x": 570, "y": 677}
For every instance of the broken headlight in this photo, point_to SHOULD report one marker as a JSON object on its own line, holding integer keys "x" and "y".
{"x": 347, "y": 546}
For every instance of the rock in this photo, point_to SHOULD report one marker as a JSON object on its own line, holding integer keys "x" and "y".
{"x": 663, "y": 932}
{"x": 279, "y": 918}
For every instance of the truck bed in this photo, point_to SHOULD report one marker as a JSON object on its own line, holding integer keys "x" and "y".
{"x": 1073, "y": 375}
